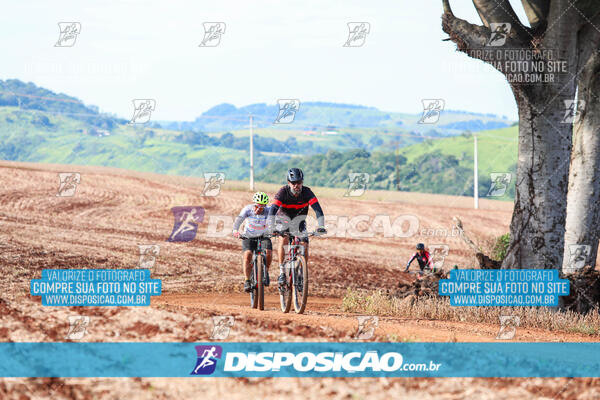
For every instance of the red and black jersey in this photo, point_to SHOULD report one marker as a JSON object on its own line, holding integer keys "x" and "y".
{"x": 424, "y": 260}
{"x": 293, "y": 206}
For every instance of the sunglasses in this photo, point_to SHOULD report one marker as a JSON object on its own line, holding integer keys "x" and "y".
{"x": 296, "y": 183}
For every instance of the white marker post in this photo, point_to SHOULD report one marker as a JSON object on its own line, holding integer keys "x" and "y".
{"x": 475, "y": 178}
{"x": 251, "y": 156}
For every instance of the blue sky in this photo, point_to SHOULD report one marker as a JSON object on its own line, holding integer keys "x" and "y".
{"x": 270, "y": 50}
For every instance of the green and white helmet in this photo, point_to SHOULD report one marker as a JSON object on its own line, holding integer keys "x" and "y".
{"x": 260, "y": 198}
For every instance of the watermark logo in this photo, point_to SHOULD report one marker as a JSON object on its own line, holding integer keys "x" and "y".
{"x": 578, "y": 254}
{"x": 142, "y": 110}
{"x": 212, "y": 34}
{"x": 500, "y": 182}
{"x": 500, "y": 31}
{"x": 77, "y": 327}
{"x": 438, "y": 253}
{"x": 341, "y": 226}
{"x": 212, "y": 183}
{"x": 287, "y": 111}
{"x": 442, "y": 232}
{"x": 508, "y": 327}
{"x": 148, "y": 255}
{"x": 68, "y": 34}
{"x": 357, "y": 184}
{"x": 573, "y": 111}
{"x": 221, "y": 327}
{"x": 68, "y": 182}
{"x": 366, "y": 327}
{"x": 187, "y": 219}
{"x": 357, "y": 34}
{"x": 432, "y": 109}
{"x": 207, "y": 359}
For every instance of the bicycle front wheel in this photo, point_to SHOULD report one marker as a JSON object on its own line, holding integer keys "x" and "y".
{"x": 254, "y": 291}
{"x": 300, "y": 289}
{"x": 260, "y": 289}
{"x": 285, "y": 294}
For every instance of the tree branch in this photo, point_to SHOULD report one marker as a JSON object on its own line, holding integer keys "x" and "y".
{"x": 501, "y": 11}
{"x": 537, "y": 14}
{"x": 467, "y": 36}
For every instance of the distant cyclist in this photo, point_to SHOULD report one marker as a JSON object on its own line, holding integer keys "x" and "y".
{"x": 256, "y": 226}
{"x": 422, "y": 256}
{"x": 291, "y": 202}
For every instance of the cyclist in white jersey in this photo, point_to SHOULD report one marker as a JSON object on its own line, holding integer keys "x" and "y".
{"x": 256, "y": 215}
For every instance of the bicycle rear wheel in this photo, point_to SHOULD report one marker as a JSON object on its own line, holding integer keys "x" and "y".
{"x": 285, "y": 296}
{"x": 300, "y": 288}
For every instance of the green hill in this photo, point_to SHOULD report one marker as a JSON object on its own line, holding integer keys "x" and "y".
{"x": 38, "y": 125}
{"x": 434, "y": 166}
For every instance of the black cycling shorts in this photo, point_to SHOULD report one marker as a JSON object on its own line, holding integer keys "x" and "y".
{"x": 251, "y": 244}
{"x": 284, "y": 226}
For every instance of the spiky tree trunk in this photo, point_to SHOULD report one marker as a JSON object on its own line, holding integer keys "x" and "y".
{"x": 583, "y": 199}
{"x": 538, "y": 222}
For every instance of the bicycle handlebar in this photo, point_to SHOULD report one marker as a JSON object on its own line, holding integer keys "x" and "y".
{"x": 263, "y": 236}
{"x": 285, "y": 234}
{"x": 288, "y": 234}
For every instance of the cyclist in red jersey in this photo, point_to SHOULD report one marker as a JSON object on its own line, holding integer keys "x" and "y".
{"x": 291, "y": 202}
{"x": 422, "y": 257}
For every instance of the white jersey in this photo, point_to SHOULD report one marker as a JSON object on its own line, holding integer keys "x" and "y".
{"x": 256, "y": 224}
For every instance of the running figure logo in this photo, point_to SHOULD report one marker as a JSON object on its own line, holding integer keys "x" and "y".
{"x": 221, "y": 327}
{"x": 207, "y": 359}
{"x": 432, "y": 109}
{"x": 357, "y": 34}
{"x": 578, "y": 254}
{"x": 366, "y": 327}
{"x": 212, "y": 34}
{"x": 500, "y": 182}
{"x": 187, "y": 219}
{"x": 77, "y": 327}
{"x": 573, "y": 111}
{"x": 212, "y": 183}
{"x": 142, "y": 110}
{"x": 438, "y": 255}
{"x": 68, "y": 183}
{"x": 287, "y": 111}
{"x": 68, "y": 34}
{"x": 357, "y": 184}
{"x": 508, "y": 327}
{"x": 500, "y": 31}
{"x": 148, "y": 254}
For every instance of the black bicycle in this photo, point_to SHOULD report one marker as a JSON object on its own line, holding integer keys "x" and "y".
{"x": 296, "y": 275}
{"x": 259, "y": 262}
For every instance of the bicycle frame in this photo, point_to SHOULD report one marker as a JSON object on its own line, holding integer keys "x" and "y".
{"x": 293, "y": 243}
{"x": 295, "y": 288}
{"x": 259, "y": 251}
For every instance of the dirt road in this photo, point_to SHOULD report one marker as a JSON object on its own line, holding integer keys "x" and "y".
{"x": 114, "y": 211}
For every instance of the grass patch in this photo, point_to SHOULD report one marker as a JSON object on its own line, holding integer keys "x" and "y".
{"x": 435, "y": 308}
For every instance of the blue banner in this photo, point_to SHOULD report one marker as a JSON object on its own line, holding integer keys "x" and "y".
{"x": 299, "y": 359}
{"x": 504, "y": 287}
{"x": 95, "y": 287}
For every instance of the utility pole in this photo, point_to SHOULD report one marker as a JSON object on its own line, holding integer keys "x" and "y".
{"x": 475, "y": 177}
{"x": 251, "y": 155}
{"x": 397, "y": 174}
{"x": 397, "y": 164}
